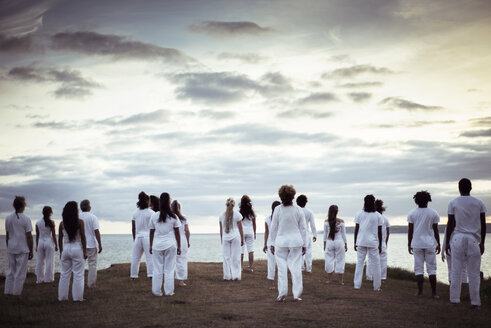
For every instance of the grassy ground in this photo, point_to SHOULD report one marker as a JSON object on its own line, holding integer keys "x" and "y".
{"x": 208, "y": 301}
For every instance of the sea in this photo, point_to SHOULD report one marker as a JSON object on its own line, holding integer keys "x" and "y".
{"x": 207, "y": 248}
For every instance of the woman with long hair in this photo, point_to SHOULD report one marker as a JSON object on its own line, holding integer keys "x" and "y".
{"x": 288, "y": 243}
{"x": 165, "y": 245}
{"x": 249, "y": 227}
{"x": 182, "y": 259}
{"x": 73, "y": 252}
{"x": 231, "y": 238}
{"x": 141, "y": 236}
{"x": 267, "y": 246}
{"x": 334, "y": 240}
{"x": 379, "y": 207}
{"x": 46, "y": 246}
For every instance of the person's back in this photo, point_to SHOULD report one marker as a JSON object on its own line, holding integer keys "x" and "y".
{"x": 368, "y": 231}
{"x": 423, "y": 220}
{"x": 288, "y": 233}
{"x": 142, "y": 220}
{"x": 16, "y": 225}
{"x": 90, "y": 223}
{"x": 467, "y": 211}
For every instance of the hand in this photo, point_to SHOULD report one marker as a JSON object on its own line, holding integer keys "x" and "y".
{"x": 30, "y": 256}
{"x": 36, "y": 249}
{"x": 150, "y": 250}
{"x": 272, "y": 250}
{"x": 314, "y": 239}
{"x": 481, "y": 247}
{"x": 56, "y": 248}
{"x": 447, "y": 248}
{"x": 345, "y": 247}
{"x": 254, "y": 236}
{"x": 189, "y": 245}
{"x": 355, "y": 248}
{"x": 265, "y": 249}
{"x": 380, "y": 249}
{"x": 100, "y": 249}
{"x": 242, "y": 242}
{"x": 304, "y": 249}
{"x": 85, "y": 255}
{"x": 179, "y": 251}
{"x": 438, "y": 249}
{"x": 410, "y": 250}
{"x": 443, "y": 256}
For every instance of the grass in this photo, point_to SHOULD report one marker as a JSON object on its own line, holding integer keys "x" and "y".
{"x": 208, "y": 301}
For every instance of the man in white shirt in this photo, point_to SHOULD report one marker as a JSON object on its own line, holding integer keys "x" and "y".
{"x": 465, "y": 236}
{"x": 309, "y": 220}
{"x": 91, "y": 233}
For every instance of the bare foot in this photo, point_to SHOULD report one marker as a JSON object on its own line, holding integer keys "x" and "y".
{"x": 328, "y": 282}
{"x": 281, "y": 299}
{"x": 341, "y": 283}
{"x": 435, "y": 297}
{"x": 298, "y": 299}
{"x": 182, "y": 283}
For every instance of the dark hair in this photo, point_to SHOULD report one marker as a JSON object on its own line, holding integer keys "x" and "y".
{"x": 369, "y": 203}
{"x": 70, "y": 219}
{"x": 273, "y": 206}
{"x": 47, "y": 211}
{"x": 165, "y": 209}
{"x": 422, "y": 198}
{"x": 246, "y": 208}
{"x": 176, "y": 208}
{"x": 287, "y": 193}
{"x": 142, "y": 200}
{"x": 331, "y": 219}
{"x": 379, "y": 206}
{"x": 85, "y": 205}
{"x": 19, "y": 203}
{"x": 302, "y": 200}
{"x": 154, "y": 203}
{"x": 465, "y": 186}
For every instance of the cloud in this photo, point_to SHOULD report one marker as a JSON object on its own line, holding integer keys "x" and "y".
{"x": 304, "y": 113}
{"x": 481, "y": 121}
{"x": 359, "y": 96}
{"x": 353, "y": 71}
{"x": 476, "y": 133}
{"x": 250, "y": 58}
{"x": 355, "y": 85}
{"x": 318, "y": 98}
{"x": 396, "y": 102}
{"x": 216, "y": 115}
{"x": 21, "y": 17}
{"x": 220, "y": 29}
{"x": 19, "y": 44}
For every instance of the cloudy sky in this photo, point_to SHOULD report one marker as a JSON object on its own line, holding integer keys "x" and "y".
{"x": 211, "y": 99}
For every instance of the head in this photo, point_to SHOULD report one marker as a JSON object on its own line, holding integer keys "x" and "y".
{"x": 421, "y": 198}
{"x": 302, "y": 200}
{"x": 165, "y": 209}
{"x": 287, "y": 193}
{"x": 229, "y": 214}
{"x": 70, "y": 219}
{"x": 246, "y": 208}
{"x": 379, "y": 206}
{"x": 369, "y": 203}
{"x": 273, "y": 206}
{"x": 331, "y": 218}
{"x": 85, "y": 205}
{"x": 176, "y": 208}
{"x": 465, "y": 187}
{"x": 19, "y": 204}
{"x": 154, "y": 203}
{"x": 143, "y": 200}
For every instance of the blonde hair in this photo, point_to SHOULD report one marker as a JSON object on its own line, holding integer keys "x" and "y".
{"x": 229, "y": 214}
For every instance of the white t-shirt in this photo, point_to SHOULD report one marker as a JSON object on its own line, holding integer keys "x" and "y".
{"x": 309, "y": 220}
{"x": 423, "y": 220}
{"x": 164, "y": 236}
{"x": 234, "y": 230}
{"x": 91, "y": 223}
{"x": 288, "y": 227}
{"x": 44, "y": 231}
{"x": 247, "y": 226}
{"x": 340, "y": 233}
{"x": 142, "y": 219}
{"x": 467, "y": 211}
{"x": 17, "y": 229}
{"x": 368, "y": 228}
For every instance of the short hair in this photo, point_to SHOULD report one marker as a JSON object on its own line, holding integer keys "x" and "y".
{"x": 379, "y": 206}
{"x": 465, "y": 185}
{"x": 287, "y": 193}
{"x": 421, "y": 198}
{"x": 85, "y": 205}
{"x": 19, "y": 203}
{"x": 302, "y": 200}
{"x": 369, "y": 203}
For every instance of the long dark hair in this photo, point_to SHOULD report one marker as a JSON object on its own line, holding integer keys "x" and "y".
{"x": 154, "y": 203}
{"x": 331, "y": 219}
{"x": 176, "y": 208}
{"x": 273, "y": 206}
{"x": 47, "y": 211}
{"x": 19, "y": 203}
{"x": 369, "y": 203}
{"x": 246, "y": 208}
{"x": 379, "y": 206}
{"x": 165, "y": 209}
{"x": 70, "y": 219}
{"x": 142, "y": 200}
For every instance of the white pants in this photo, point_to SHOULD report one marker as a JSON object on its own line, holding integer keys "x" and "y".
{"x": 465, "y": 252}
{"x": 16, "y": 273}
{"x": 45, "y": 260}
{"x": 182, "y": 262}
{"x": 308, "y": 256}
{"x": 289, "y": 258}
{"x": 334, "y": 256}
{"x": 164, "y": 263}
{"x": 231, "y": 259}
{"x": 465, "y": 279}
{"x": 383, "y": 266}
{"x": 141, "y": 245}
{"x": 92, "y": 262}
{"x": 72, "y": 260}
{"x": 271, "y": 264}
{"x": 373, "y": 261}
{"x": 248, "y": 243}
{"x": 422, "y": 255}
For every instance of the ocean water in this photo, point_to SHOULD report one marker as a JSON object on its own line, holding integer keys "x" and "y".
{"x": 207, "y": 248}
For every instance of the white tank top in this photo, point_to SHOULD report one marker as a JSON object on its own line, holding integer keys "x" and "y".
{"x": 44, "y": 231}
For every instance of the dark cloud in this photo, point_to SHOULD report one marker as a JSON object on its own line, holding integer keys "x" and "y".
{"x": 399, "y": 103}
{"x": 353, "y": 71}
{"x": 355, "y": 85}
{"x": 273, "y": 84}
{"x": 55, "y": 125}
{"x": 304, "y": 113}
{"x": 416, "y": 124}
{"x": 216, "y": 115}
{"x": 318, "y": 98}
{"x": 476, "y": 133}
{"x": 250, "y": 58}
{"x": 21, "y": 17}
{"x": 359, "y": 96}
{"x": 19, "y": 44}
{"x": 481, "y": 121}
{"x": 221, "y": 29}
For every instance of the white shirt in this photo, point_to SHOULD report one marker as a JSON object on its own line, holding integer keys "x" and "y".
{"x": 467, "y": 211}
{"x": 234, "y": 230}
{"x": 288, "y": 227}
{"x": 44, "y": 231}
{"x": 268, "y": 223}
{"x": 17, "y": 229}
{"x": 423, "y": 220}
{"x": 368, "y": 228}
{"x": 91, "y": 223}
{"x": 164, "y": 236}
{"x": 340, "y": 233}
{"x": 142, "y": 219}
{"x": 309, "y": 220}
{"x": 247, "y": 226}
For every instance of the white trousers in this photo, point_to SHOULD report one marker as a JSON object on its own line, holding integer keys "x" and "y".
{"x": 16, "y": 273}
{"x": 164, "y": 263}
{"x": 465, "y": 279}
{"x": 45, "y": 261}
{"x": 248, "y": 244}
{"x": 141, "y": 245}
{"x": 72, "y": 260}
{"x": 334, "y": 256}
{"x": 373, "y": 261}
{"x": 383, "y": 266}
{"x": 92, "y": 262}
{"x": 465, "y": 252}
{"x": 182, "y": 262}
{"x": 422, "y": 256}
{"x": 308, "y": 256}
{"x": 271, "y": 264}
{"x": 231, "y": 259}
{"x": 289, "y": 258}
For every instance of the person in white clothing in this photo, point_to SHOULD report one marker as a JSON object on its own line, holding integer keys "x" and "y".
{"x": 335, "y": 244}
{"x": 288, "y": 243}
{"x": 249, "y": 226}
{"x": 379, "y": 207}
{"x": 465, "y": 236}
{"x": 18, "y": 229}
{"x": 141, "y": 236}
{"x": 267, "y": 246}
{"x": 46, "y": 246}
{"x": 92, "y": 234}
{"x": 73, "y": 252}
{"x": 165, "y": 245}
{"x": 448, "y": 258}
{"x": 368, "y": 241}
{"x": 231, "y": 238}
{"x": 424, "y": 240}
{"x": 311, "y": 233}
{"x": 182, "y": 259}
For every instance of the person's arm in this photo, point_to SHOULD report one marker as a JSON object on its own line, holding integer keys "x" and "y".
{"x": 152, "y": 233}
{"x": 60, "y": 237}
{"x": 437, "y": 237}
{"x": 30, "y": 244}
{"x": 380, "y": 239}
{"x": 357, "y": 227}
{"x": 410, "y": 230}
{"x": 53, "y": 235}
{"x": 221, "y": 232}
{"x": 313, "y": 229}
{"x": 343, "y": 234}
{"x": 450, "y": 229}
{"x": 37, "y": 238}
{"x": 7, "y": 239}
{"x": 133, "y": 229}
{"x": 483, "y": 232}
{"x": 187, "y": 233}
{"x": 98, "y": 237}
{"x": 254, "y": 227}
{"x": 82, "y": 237}
{"x": 241, "y": 230}
{"x": 266, "y": 235}
{"x": 177, "y": 233}
{"x": 325, "y": 234}
{"x": 387, "y": 230}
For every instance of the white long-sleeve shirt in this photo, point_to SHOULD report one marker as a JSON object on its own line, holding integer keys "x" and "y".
{"x": 288, "y": 227}
{"x": 309, "y": 220}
